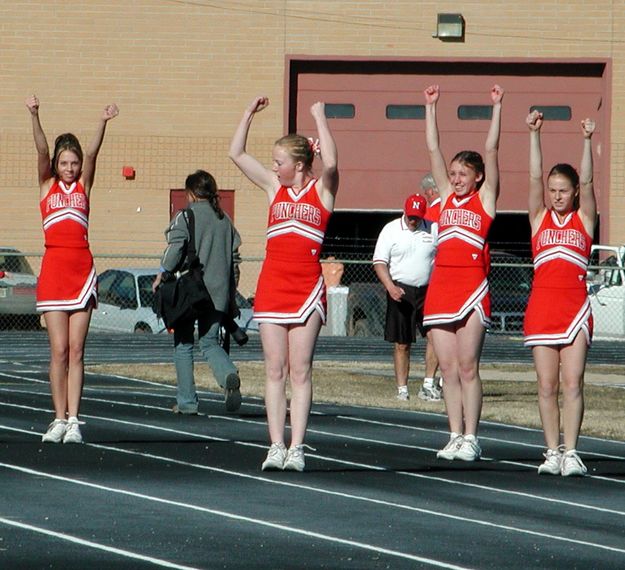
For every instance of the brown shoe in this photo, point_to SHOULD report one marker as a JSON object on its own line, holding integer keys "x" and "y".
{"x": 232, "y": 392}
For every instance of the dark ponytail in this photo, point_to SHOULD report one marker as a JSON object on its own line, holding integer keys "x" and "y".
{"x": 203, "y": 186}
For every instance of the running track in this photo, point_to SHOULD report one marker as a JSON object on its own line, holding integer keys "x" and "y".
{"x": 152, "y": 489}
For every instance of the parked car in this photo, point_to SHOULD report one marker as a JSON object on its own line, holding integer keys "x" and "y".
{"x": 606, "y": 288}
{"x": 18, "y": 291}
{"x": 125, "y": 300}
{"x": 366, "y": 309}
{"x": 510, "y": 282}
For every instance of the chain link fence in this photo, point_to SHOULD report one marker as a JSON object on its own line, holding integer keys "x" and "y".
{"x": 356, "y": 299}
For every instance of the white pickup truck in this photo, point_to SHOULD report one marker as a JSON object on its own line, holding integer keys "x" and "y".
{"x": 606, "y": 288}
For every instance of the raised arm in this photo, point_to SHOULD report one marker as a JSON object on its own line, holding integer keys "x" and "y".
{"x": 536, "y": 206}
{"x": 437, "y": 161}
{"x": 91, "y": 155}
{"x": 587, "y": 200}
{"x": 489, "y": 192}
{"x": 248, "y": 165}
{"x": 41, "y": 144}
{"x": 329, "y": 156}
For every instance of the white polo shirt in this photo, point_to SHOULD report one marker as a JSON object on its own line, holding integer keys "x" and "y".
{"x": 409, "y": 255}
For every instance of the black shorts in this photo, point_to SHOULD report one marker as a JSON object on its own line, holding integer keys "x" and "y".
{"x": 404, "y": 317}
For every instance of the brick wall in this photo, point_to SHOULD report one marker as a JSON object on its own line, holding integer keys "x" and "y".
{"x": 182, "y": 73}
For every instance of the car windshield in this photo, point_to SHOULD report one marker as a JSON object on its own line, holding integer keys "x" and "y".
{"x": 14, "y": 263}
{"x": 146, "y": 296}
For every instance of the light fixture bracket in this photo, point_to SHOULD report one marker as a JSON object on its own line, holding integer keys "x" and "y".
{"x": 449, "y": 27}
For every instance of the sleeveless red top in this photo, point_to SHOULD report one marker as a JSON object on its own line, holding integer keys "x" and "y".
{"x": 463, "y": 225}
{"x": 561, "y": 251}
{"x": 296, "y": 224}
{"x": 65, "y": 216}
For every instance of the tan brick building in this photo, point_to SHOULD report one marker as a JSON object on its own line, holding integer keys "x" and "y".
{"x": 183, "y": 71}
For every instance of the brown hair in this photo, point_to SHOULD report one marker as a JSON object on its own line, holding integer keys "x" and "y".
{"x": 66, "y": 141}
{"x": 566, "y": 170}
{"x": 203, "y": 186}
{"x": 473, "y": 160}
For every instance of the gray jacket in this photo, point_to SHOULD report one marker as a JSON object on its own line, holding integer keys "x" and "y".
{"x": 217, "y": 244}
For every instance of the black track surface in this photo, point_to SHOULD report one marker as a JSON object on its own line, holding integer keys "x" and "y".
{"x": 154, "y": 489}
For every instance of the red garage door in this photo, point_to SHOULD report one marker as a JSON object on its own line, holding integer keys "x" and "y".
{"x": 377, "y": 110}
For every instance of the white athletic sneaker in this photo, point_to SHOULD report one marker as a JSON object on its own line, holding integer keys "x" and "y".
{"x": 295, "y": 459}
{"x": 450, "y": 450}
{"x": 55, "y": 431}
{"x": 430, "y": 393}
{"x": 572, "y": 465}
{"x": 552, "y": 464}
{"x": 275, "y": 457}
{"x": 469, "y": 449}
{"x": 403, "y": 396}
{"x": 72, "y": 433}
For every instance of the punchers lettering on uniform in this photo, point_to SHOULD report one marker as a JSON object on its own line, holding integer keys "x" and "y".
{"x": 561, "y": 237}
{"x": 460, "y": 217}
{"x": 57, "y": 200}
{"x": 300, "y": 212}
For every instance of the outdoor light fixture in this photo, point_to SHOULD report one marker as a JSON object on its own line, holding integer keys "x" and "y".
{"x": 449, "y": 28}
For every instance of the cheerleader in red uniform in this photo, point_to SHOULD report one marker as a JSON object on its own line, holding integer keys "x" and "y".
{"x": 457, "y": 305}
{"x": 290, "y": 302}
{"x": 66, "y": 288}
{"x": 558, "y": 319}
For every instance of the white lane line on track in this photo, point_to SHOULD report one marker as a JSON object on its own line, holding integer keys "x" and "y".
{"x": 235, "y": 517}
{"x": 95, "y": 545}
{"x": 355, "y": 438}
{"x": 348, "y": 418}
{"x": 481, "y": 437}
{"x": 342, "y": 495}
{"x": 329, "y": 434}
{"x": 352, "y": 464}
{"x": 412, "y": 412}
{"x": 314, "y": 412}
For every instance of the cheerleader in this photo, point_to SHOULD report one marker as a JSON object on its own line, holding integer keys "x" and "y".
{"x": 290, "y": 301}
{"x": 558, "y": 319}
{"x": 457, "y": 305}
{"x": 66, "y": 288}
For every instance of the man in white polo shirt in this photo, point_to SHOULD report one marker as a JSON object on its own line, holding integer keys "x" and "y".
{"x": 402, "y": 260}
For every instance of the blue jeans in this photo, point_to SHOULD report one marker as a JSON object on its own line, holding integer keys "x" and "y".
{"x": 217, "y": 358}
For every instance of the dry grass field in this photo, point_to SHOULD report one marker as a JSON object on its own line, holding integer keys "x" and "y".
{"x": 509, "y": 390}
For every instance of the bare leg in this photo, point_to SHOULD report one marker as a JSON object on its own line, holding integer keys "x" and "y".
{"x": 445, "y": 346}
{"x": 274, "y": 339}
{"x": 470, "y": 339}
{"x": 547, "y": 363}
{"x": 431, "y": 362}
{"x": 78, "y": 328}
{"x": 401, "y": 361}
{"x": 302, "y": 340}
{"x": 57, "y": 323}
{"x": 573, "y": 359}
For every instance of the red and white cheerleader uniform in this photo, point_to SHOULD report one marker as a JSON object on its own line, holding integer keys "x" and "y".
{"x": 432, "y": 214}
{"x": 290, "y": 285}
{"x": 559, "y": 307}
{"x": 459, "y": 281}
{"x": 67, "y": 281}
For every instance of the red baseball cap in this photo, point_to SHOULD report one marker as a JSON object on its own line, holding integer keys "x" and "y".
{"x": 415, "y": 205}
